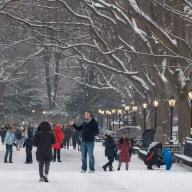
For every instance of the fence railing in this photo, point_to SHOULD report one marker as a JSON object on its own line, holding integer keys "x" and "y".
{"x": 175, "y": 148}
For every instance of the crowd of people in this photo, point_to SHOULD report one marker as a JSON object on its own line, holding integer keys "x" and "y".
{"x": 49, "y": 139}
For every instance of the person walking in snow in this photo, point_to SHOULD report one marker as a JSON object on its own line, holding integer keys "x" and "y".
{"x": 43, "y": 140}
{"x": 89, "y": 130}
{"x": 57, "y": 146}
{"x": 109, "y": 150}
{"x": 123, "y": 146}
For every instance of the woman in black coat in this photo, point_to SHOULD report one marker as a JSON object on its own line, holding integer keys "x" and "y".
{"x": 109, "y": 151}
{"x": 43, "y": 140}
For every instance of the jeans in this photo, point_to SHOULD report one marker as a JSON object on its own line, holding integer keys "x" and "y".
{"x": 56, "y": 152}
{"x": 66, "y": 143}
{"x": 29, "y": 154}
{"x": 41, "y": 168}
{"x": 9, "y": 150}
{"x": 87, "y": 148}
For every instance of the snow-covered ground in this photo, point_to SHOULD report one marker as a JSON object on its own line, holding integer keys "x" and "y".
{"x": 66, "y": 176}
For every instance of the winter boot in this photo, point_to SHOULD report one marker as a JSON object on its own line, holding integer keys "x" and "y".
{"x": 110, "y": 168}
{"x": 105, "y": 167}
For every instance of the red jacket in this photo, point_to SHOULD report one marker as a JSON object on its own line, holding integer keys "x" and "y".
{"x": 124, "y": 154}
{"x": 58, "y": 136}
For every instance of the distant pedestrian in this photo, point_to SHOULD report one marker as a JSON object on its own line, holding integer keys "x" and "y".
{"x": 123, "y": 147}
{"x": 89, "y": 130}
{"x": 3, "y": 132}
{"x": 9, "y": 141}
{"x": 67, "y": 133}
{"x": 29, "y": 144}
{"x": 43, "y": 140}
{"x": 74, "y": 138}
{"x": 109, "y": 150}
{"x": 18, "y": 138}
{"x": 57, "y": 146}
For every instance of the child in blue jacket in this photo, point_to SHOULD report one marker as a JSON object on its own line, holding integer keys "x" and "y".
{"x": 167, "y": 157}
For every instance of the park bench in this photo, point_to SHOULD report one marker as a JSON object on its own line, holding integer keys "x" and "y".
{"x": 186, "y": 156}
{"x": 183, "y": 159}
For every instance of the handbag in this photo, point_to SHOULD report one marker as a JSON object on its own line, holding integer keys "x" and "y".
{"x": 117, "y": 156}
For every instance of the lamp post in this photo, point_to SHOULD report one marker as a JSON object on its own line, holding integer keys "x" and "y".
{"x": 119, "y": 112}
{"x": 144, "y": 106}
{"x": 113, "y": 112}
{"x": 33, "y": 111}
{"x": 100, "y": 118}
{"x": 127, "y": 109}
{"x": 134, "y": 112}
{"x": 172, "y": 102}
{"x": 44, "y": 113}
{"x": 190, "y": 97}
{"x": 107, "y": 113}
{"x": 102, "y": 114}
{"x": 155, "y": 105}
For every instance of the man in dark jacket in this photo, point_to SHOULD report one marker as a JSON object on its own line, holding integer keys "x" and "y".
{"x": 29, "y": 145}
{"x": 43, "y": 140}
{"x": 89, "y": 130}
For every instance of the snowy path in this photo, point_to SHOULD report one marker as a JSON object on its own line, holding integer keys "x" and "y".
{"x": 66, "y": 176}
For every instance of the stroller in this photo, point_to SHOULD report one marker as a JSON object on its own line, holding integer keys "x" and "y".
{"x": 154, "y": 155}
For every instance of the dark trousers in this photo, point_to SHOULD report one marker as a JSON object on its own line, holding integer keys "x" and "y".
{"x": 66, "y": 143}
{"x": 29, "y": 154}
{"x": 43, "y": 164}
{"x": 56, "y": 153}
{"x": 9, "y": 151}
{"x": 110, "y": 162}
{"x": 74, "y": 144}
{"x": 2, "y": 139}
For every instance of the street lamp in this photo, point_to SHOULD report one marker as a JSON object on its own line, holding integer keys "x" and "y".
{"x": 113, "y": 112}
{"x": 172, "y": 102}
{"x": 44, "y": 113}
{"x": 108, "y": 122}
{"x": 33, "y": 111}
{"x": 134, "y": 112}
{"x": 155, "y": 105}
{"x": 144, "y": 106}
{"x": 190, "y": 97}
{"x": 119, "y": 112}
{"x": 102, "y": 114}
{"x": 127, "y": 109}
{"x": 99, "y": 117}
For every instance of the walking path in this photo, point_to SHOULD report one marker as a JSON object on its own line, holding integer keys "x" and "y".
{"x": 66, "y": 176}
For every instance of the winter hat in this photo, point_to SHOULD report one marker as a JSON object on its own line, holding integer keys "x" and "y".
{"x": 108, "y": 132}
{"x": 57, "y": 127}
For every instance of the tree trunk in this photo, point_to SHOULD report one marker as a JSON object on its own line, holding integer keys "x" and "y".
{"x": 2, "y": 89}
